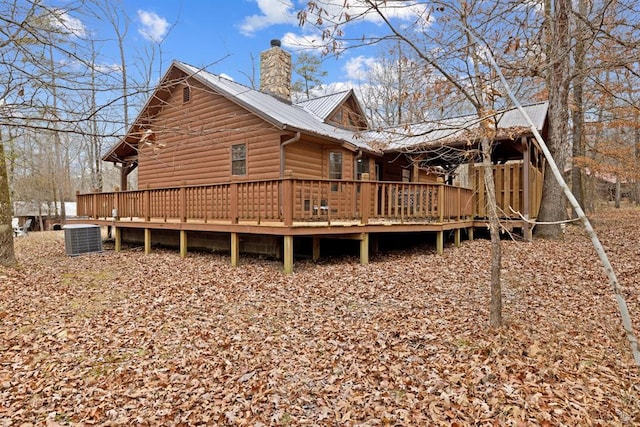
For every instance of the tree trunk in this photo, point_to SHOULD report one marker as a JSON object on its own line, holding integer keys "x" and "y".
{"x": 577, "y": 181}
{"x": 552, "y": 207}
{"x": 495, "y": 305}
{"x": 7, "y": 254}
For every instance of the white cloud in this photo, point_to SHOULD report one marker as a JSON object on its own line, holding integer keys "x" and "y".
{"x": 358, "y": 10}
{"x": 293, "y": 41}
{"x": 360, "y": 67}
{"x": 68, "y": 24}
{"x": 154, "y": 27}
{"x": 272, "y": 12}
{"x": 108, "y": 68}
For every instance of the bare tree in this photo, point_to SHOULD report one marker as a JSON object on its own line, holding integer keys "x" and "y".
{"x": 460, "y": 63}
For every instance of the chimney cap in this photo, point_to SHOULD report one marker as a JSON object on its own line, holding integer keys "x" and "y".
{"x": 275, "y": 43}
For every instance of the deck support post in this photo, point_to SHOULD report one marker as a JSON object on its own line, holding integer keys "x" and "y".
{"x": 527, "y": 230}
{"x": 288, "y": 254}
{"x": 315, "y": 241}
{"x": 147, "y": 241}
{"x": 470, "y": 233}
{"x": 440, "y": 242}
{"x": 456, "y": 237}
{"x": 364, "y": 249}
{"x": 235, "y": 249}
{"x": 118, "y": 238}
{"x": 183, "y": 243}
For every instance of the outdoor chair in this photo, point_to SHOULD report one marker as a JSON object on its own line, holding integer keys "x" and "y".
{"x": 24, "y": 230}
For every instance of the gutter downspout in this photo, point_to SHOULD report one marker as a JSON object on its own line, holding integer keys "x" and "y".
{"x": 293, "y": 139}
{"x": 355, "y": 164}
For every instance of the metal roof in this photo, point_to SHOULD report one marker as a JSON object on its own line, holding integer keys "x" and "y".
{"x": 323, "y": 106}
{"x": 278, "y": 112}
{"x": 454, "y": 129}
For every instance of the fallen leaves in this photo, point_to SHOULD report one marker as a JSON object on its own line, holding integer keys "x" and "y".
{"x": 118, "y": 339}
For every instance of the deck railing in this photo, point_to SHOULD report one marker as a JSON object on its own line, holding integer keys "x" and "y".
{"x": 286, "y": 200}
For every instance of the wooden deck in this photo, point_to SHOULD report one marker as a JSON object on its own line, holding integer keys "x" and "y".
{"x": 287, "y": 207}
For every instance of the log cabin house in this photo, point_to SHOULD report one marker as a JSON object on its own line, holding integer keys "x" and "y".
{"x": 227, "y": 167}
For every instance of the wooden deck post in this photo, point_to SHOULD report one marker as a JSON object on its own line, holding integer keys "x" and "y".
{"x": 118, "y": 238}
{"x": 288, "y": 254}
{"x": 233, "y": 202}
{"x": 183, "y": 243}
{"x": 146, "y": 201}
{"x": 526, "y": 190}
{"x": 94, "y": 205}
{"x": 235, "y": 249}
{"x": 183, "y": 202}
{"x": 456, "y": 237}
{"x": 316, "y": 248}
{"x": 440, "y": 242}
{"x": 147, "y": 241}
{"x": 287, "y": 199}
{"x": 441, "y": 201}
{"x": 364, "y": 249}
{"x": 470, "y": 233}
{"x": 115, "y": 213}
{"x": 365, "y": 198}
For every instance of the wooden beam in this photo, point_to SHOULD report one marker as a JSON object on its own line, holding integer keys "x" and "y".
{"x": 364, "y": 249}
{"x": 526, "y": 189}
{"x": 440, "y": 242}
{"x": 147, "y": 241}
{"x": 457, "y": 237}
{"x": 235, "y": 249}
{"x": 288, "y": 254}
{"x": 183, "y": 243}
{"x": 118, "y": 239}
{"x": 315, "y": 240}
{"x": 470, "y": 233}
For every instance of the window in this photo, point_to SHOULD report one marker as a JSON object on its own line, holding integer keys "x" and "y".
{"x": 362, "y": 167}
{"x": 239, "y": 159}
{"x": 186, "y": 94}
{"x": 335, "y": 168}
{"x": 406, "y": 175}
{"x": 335, "y": 165}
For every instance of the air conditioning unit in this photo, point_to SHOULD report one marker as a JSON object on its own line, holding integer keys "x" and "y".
{"x": 82, "y": 238}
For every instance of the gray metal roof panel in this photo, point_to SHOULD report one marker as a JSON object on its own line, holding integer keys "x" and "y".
{"x": 323, "y": 106}
{"x": 279, "y": 113}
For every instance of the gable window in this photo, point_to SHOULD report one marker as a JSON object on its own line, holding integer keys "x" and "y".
{"x": 239, "y": 159}
{"x": 335, "y": 168}
{"x": 186, "y": 94}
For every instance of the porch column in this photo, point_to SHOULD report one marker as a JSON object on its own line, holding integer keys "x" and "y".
{"x": 470, "y": 233}
{"x": 440, "y": 242}
{"x": 147, "y": 241}
{"x": 526, "y": 193}
{"x": 288, "y": 254}
{"x": 183, "y": 243}
{"x": 315, "y": 240}
{"x": 364, "y": 249}
{"x": 456, "y": 237}
{"x": 235, "y": 249}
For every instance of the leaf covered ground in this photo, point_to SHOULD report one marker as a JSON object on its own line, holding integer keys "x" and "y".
{"x": 124, "y": 338}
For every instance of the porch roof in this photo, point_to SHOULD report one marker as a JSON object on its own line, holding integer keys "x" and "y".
{"x": 457, "y": 130}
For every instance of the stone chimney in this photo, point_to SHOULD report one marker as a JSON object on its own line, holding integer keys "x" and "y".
{"x": 275, "y": 71}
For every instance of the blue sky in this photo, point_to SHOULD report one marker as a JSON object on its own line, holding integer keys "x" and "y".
{"x": 223, "y": 35}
